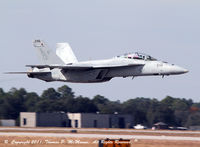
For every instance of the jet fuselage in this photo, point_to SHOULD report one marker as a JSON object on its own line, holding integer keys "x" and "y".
{"x": 148, "y": 68}
{"x": 64, "y": 66}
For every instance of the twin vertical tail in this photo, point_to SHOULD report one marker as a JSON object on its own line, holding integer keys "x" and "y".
{"x": 64, "y": 53}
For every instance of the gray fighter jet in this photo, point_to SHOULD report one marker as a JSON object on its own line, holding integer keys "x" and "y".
{"x": 64, "y": 66}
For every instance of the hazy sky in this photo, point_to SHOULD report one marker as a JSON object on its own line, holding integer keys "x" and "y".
{"x": 98, "y": 29}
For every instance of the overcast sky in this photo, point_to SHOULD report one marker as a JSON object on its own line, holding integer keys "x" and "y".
{"x": 98, "y": 29}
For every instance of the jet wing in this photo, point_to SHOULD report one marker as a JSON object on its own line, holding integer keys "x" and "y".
{"x": 15, "y": 72}
{"x": 72, "y": 67}
{"x": 39, "y": 73}
{"x": 83, "y": 67}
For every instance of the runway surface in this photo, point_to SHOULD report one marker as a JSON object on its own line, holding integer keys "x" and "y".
{"x": 102, "y": 136}
{"x": 100, "y": 130}
{"x": 97, "y": 133}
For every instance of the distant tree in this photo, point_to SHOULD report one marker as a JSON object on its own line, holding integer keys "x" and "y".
{"x": 196, "y": 105}
{"x": 181, "y": 117}
{"x": 84, "y": 105}
{"x": 98, "y": 99}
{"x": 49, "y": 105}
{"x": 43, "y": 106}
{"x": 65, "y": 92}
{"x": 2, "y": 93}
{"x": 30, "y": 102}
{"x": 50, "y": 93}
{"x": 21, "y": 93}
{"x": 173, "y": 111}
{"x": 164, "y": 114}
{"x": 69, "y": 105}
{"x": 193, "y": 119}
{"x": 152, "y": 111}
{"x": 110, "y": 107}
{"x": 138, "y": 108}
{"x": 180, "y": 105}
{"x": 13, "y": 103}
{"x": 168, "y": 101}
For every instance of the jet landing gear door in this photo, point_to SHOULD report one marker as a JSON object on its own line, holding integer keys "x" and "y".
{"x": 102, "y": 74}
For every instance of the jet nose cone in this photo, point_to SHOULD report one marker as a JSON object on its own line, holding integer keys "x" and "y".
{"x": 185, "y": 70}
{"x": 180, "y": 70}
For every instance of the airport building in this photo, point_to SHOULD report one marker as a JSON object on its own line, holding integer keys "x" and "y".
{"x": 75, "y": 120}
{"x": 92, "y": 120}
{"x": 7, "y": 122}
{"x": 33, "y": 119}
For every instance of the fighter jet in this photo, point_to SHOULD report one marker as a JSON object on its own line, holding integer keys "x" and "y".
{"x": 64, "y": 66}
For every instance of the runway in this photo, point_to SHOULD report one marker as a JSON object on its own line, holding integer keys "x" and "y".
{"x": 100, "y": 130}
{"x": 102, "y": 136}
{"x": 102, "y": 133}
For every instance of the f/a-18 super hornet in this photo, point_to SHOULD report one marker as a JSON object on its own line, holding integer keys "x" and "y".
{"x": 64, "y": 66}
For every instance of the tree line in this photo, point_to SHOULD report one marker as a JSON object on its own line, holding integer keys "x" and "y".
{"x": 146, "y": 111}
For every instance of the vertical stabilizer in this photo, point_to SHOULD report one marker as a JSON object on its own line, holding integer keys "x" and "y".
{"x": 64, "y": 51}
{"x": 45, "y": 54}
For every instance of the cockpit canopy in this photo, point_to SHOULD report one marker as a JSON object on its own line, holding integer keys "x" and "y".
{"x": 136, "y": 55}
